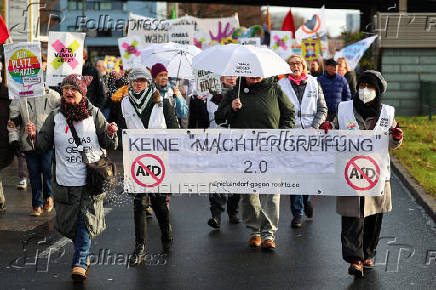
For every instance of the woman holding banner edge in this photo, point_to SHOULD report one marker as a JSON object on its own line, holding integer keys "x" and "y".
{"x": 362, "y": 216}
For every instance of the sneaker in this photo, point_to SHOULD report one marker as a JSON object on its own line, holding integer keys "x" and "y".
{"x": 356, "y": 269}
{"x": 368, "y": 263}
{"x": 297, "y": 222}
{"x": 254, "y": 241}
{"x": 233, "y": 219}
{"x": 22, "y": 185}
{"x": 36, "y": 211}
{"x": 48, "y": 204}
{"x": 268, "y": 244}
{"x": 214, "y": 222}
{"x": 308, "y": 209}
{"x": 78, "y": 275}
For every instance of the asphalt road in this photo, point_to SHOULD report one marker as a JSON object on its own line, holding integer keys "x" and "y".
{"x": 34, "y": 256}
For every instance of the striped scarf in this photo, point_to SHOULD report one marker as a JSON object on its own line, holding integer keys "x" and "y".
{"x": 142, "y": 101}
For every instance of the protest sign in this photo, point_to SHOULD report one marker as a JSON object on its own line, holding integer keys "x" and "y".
{"x": 354, "y": 52}
{"x": 207, "y": 82}
{"x": 149, "y": 30}
{"x": 255, "y": 41}
{"x": 183, "y": 34}
{"x": 341, "y": 163}
{"x": 112, "y": 63}
{"x": 24, "y": 70}
{"x": 212, "y": 31}
{"x": 130, "y": 50}
{"x": 65, "y": 55}
{"x": 314, "y": 27}
{"x": 281, "y": 43}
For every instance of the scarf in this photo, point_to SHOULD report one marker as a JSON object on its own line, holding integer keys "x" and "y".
{"x": 75, "y": 113}
{"x": 142, "y": 101}
{"x": 298, "y": 81}
{"x": 371, "y": 109}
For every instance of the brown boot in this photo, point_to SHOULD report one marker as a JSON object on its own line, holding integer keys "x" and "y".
{"x": 368, "y": 263}
{"x": 48, "y": 204}
{"x": 254, "y": 241}
{"x": 78, "y": 275}
{"x": 268, "y": 244}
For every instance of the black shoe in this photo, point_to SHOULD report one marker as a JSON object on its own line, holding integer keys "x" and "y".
{"x": 138, "y": 255}
{"x": 214, "y": 222}
{"x": 233, "y": 219}
{"x": 308, "y": 209}
{"x": 297, "y": 222}
{"x": 2, "y": 207}
{"x": 167, "y": 242}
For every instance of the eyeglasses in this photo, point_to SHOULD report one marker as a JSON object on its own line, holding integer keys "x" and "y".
{"x": 66, "y": 89}
{"x": 295, "y": 63}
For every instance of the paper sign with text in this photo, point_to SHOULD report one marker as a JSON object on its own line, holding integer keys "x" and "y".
{"x": 24, "y": 70}
{"x": 341, "y": 163}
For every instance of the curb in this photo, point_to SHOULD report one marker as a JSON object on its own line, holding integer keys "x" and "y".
{"x": 422, "y": 197}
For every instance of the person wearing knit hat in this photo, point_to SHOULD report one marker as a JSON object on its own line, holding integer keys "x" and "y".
{"x": 362, "y": 216}
{"x": 144, "y": 108}
{"x": 160, "y": 77}
{"x": 79, "y": 214}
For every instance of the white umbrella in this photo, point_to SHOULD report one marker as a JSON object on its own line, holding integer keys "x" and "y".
{"x": 176, "y": 57}
{"x": 241, "y": 61}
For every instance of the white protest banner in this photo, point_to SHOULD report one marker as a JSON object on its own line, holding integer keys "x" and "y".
{"x": 341, "y": 163}
{"x": 255, "y": 41}
{"x": 183, "y": 34}
{"x": 130, "y": 50}
{"x": 281, "y": 43}
{"x": 354, "y": 52}
{"x": 149, "y": 30}
{"x": 207, "y": 82}
{"x": 65, "y": 55}
{"x": 24, "y": 70}
{"x": 212, "y": 31}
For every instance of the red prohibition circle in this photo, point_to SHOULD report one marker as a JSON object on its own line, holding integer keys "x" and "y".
{"x": 371, "y": 183}
{"x": 138, "y": 160}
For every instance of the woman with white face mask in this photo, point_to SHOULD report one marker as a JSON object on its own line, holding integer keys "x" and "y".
{"x": 362, "y": 216}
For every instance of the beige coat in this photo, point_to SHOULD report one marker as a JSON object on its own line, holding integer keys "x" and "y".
{"x": 349, "y": 205}
{"x": 39, "y": 108}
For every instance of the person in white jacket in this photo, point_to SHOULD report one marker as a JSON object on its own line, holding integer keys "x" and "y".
{"x": 305, "y": 93}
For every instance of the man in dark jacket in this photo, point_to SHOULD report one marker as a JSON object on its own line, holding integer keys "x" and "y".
{"x": 335, "y": 88}
{"x": 261, "y": 105}
{"x": 96, "y": 90}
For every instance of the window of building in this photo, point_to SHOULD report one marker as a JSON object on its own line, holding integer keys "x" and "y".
{"x": 106, "y": 6}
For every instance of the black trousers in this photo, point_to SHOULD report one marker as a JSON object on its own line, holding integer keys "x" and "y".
{"x": 360, "y": 236}
{"x": 159, "y": 206}
{"x": 218, "y": 201}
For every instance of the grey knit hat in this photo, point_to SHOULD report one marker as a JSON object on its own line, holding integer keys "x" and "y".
{"x": 140, "y": 72}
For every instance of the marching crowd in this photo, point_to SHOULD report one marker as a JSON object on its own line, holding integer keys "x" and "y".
{"x": 98, "y": 104}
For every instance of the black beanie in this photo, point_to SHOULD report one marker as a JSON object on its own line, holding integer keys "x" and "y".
{"x": 372, "y": 80}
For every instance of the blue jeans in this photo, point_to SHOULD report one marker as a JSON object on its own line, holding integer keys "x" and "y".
{"x": 38, "y": 164}
{"x": 106, "y": 112}
{"x": 297, "y": 204}
{"x": 82, "y": 244}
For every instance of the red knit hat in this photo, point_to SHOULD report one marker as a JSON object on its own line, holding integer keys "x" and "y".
{"x": 79, "y": 82}
{"x": 157, "y": 69}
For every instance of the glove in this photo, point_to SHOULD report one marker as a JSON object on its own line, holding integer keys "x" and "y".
{"x": 326, "y": 126}
{"x": 397, "y": 133}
